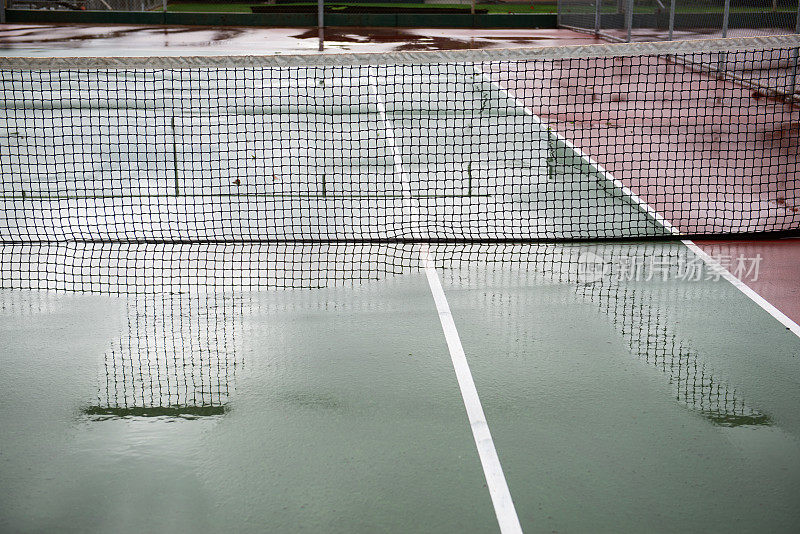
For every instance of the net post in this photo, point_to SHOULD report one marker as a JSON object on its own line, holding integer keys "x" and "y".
{"x": 597, "y": 4}
{"x": 321, "y": 23}
{"x": 2, "y": 11}
{"x": 629, "y": 21}
{"x": 671, "y": 19}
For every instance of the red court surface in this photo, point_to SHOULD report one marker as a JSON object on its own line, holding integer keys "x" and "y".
{"x": 778, "y": 279}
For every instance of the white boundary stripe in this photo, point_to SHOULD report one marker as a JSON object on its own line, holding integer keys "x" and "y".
{"x": 744, "y": 288}
{"x": 405, "y": 58}
{"x": 584, "y": 157}
{"x": 708, "y": 260}
{"x": 492, "y": 470}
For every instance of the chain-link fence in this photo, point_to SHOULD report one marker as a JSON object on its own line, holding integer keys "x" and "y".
{"x": 87, "y": 5}
{"x": 653, "y": 20}
{"x": 292, "y": 6}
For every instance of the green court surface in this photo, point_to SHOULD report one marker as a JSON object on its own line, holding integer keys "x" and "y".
{"x": 314, "y": 390}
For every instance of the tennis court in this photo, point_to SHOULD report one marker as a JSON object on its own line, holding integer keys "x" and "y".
{"x": 304, "y": 294}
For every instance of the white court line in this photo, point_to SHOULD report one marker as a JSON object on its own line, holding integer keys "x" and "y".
{"x": 713, "y": 264}
{"x": 492, "y": 470}
{"x": 585, "y": 157}
{"x": 744, "y": 288}
{"x": 504, "y": 508}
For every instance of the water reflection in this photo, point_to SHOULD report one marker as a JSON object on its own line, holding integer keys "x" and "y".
{"x": 186, "y": 307}
{"x": 178, "y": 357}
{"x": 646, "y": 328}
{"x": 643, "y": 306}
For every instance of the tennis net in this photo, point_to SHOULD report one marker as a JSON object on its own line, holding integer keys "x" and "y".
{"x": 640, "y": 140}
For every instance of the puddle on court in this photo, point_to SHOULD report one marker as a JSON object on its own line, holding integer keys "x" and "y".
{"x": 135, "y": 40}
{"x": 221, "y": 371}
{"x": 181, "y": 350}
{"x": 178, "y": 358}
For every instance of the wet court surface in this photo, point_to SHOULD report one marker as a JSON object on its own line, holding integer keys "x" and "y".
{"x": 314, "y": 391}
{"x": 120, "y": 39}
{"x": 71, "y": 39}
{"x": 235, "y": 387}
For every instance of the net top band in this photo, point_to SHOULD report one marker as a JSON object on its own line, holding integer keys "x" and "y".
{"x": 403, "y": 58}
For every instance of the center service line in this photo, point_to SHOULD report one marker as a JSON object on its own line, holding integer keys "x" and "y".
{"x": 492, "y": 470}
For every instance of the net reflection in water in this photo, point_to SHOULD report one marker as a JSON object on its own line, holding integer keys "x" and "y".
{"x": 187, "y": 304}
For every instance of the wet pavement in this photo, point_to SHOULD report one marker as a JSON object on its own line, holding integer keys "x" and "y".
{"x": 86, "y": 39}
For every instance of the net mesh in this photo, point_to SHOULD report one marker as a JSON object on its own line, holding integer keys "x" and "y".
{"x": 570, "y": 143}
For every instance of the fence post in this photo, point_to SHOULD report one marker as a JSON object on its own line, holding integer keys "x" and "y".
{"x": 725, "y": 15}
{"x": 321, "y": 23}
{"x": 671, "y": 18}
{"x": 723, "y": 56}
{"x": 597, "y": 4}
{"x": 629, "y": 20}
